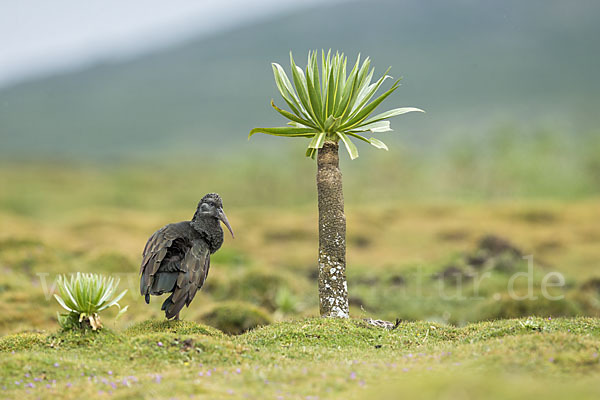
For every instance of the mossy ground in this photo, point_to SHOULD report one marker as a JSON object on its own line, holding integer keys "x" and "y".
{"x": 309, "y": 358}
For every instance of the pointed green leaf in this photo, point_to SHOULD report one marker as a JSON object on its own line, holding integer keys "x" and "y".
{"x": 330, "y": 92}
{"x": 391, "y": 113}
{"x": 68, "y": 291}
{"x": 356, "y": 135}
{"x": 350, "y": 147}
{"x": 375, "y": 127}
{"x": 332, "y": 124}
{"x": 314, "y": 88}
{"x": 364, "y": 112}
{"x": 363, "y": 90}
{"x": 325, "y": 70}
{"x": 62, "y": 303}
{"x": 121, "y": 312}
{"x": 340, "y": 81}
{"x": 378, "y": 143}
{"x": 349, "y": 88}
{"x": 302, "y": 90}
{"x": 361, "y": 78}
{"x": 287, "y": 91}
{"x": 317, "y": 141}
{"x": 113, "y": 301}
{"x": 311, "y": 153}
{"x": 368, "y": 94}
{"x": 287, "y": 131}
{"x": 296, "y": 125}
{"x": 292, "y": 117}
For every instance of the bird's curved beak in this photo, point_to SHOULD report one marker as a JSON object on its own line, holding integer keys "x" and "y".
{"x": 223, "y": 218}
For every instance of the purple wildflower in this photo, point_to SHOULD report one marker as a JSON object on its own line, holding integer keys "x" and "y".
{"x": 56, "y": 364}
{"x": 238, "y": 371}
{"x": 110, "y": 372}
{"x": 69, "y": 384}
{"x": 30, "y": 384}
{"x": 48, "y": 386}
{"x": 159, "y": 344}
{"x": 353, "y": 375}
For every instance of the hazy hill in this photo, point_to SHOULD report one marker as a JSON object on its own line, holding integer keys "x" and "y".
{"x": 471, "y": 64}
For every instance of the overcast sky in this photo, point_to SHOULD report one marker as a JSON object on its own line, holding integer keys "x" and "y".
{"x": 38, "y": 36}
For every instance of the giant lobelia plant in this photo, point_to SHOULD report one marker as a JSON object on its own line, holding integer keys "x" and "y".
{"x": 329, "y": 107}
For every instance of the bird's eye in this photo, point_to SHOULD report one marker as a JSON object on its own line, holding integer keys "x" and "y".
{"x": 205, "y": 207}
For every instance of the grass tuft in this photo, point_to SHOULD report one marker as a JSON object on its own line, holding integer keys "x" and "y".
{"x": 174, "y": 327}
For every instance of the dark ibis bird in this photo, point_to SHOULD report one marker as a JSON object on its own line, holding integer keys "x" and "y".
{"x": 176, "y": 258}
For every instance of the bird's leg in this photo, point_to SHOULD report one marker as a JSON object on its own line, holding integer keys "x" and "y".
{"x": 176, "y": 317}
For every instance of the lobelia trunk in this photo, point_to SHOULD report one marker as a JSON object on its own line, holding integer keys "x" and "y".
{"x": 333, "y": 289}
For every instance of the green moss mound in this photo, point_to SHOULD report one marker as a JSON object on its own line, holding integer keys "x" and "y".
{"x": 22, "y": 341}
{"x": 507, "y": 307}
{"x": 256, "y": 285}
{"x": 166, "y": 326}
{"x": 235, "y": 318}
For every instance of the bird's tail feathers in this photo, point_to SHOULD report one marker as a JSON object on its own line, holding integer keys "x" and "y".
{"x": 168, "y": 301}
{"x": 171, "y": 308}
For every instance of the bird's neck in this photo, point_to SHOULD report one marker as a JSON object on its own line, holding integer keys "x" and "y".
{"x": 210, "y": 230}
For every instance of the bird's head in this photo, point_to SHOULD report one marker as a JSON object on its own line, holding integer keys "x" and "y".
{"x": 211, "y": 205}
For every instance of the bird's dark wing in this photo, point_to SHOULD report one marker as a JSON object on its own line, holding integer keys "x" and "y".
{"x": 191, "y": 277}
{"x": 155, "y": 251}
